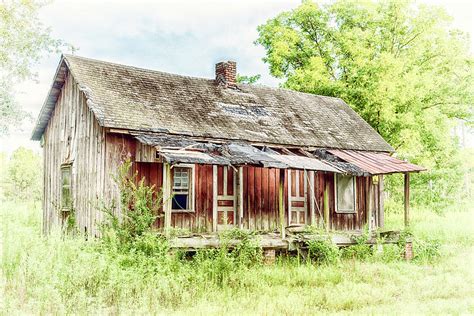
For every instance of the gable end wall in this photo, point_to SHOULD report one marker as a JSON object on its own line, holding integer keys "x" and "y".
{"x": 73, "y": 135}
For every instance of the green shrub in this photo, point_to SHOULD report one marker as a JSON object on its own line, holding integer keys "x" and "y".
{"x": 360, "y": 250}
{"x": 391, "y": 253}
{"x": 247, "y": 252}
{"x": 139, "y": 208}
{"x": 323, "y": 251}
{"x": 426, "y": 250}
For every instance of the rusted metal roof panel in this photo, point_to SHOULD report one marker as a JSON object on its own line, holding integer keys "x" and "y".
{"x": 375, "y": 162}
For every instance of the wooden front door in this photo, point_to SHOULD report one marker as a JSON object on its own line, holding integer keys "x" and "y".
{"x": 226, "y": 197}
{"x": 297, "y": 197}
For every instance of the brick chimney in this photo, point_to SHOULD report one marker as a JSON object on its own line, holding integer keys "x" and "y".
{"x": 226, "y": 73}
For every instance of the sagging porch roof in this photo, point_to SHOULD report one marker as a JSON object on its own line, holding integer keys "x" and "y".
{"x": 376, "y": 162}
{"x": 180, "y": 149}
{"x": 241, "y": 154}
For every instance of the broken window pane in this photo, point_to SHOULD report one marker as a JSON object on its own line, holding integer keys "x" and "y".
{"x": 181, "y": 189}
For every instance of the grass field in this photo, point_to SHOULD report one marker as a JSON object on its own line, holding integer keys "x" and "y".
{"x": 68, "y": 275}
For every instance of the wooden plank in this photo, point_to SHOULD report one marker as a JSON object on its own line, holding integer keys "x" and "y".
{"x": 272, "y": 200}
{"x": 281, "y": 205}
{"x": 251, "y": 197}
{"x": 167, "y": 197}
{"x": 240, "y": 196}
{"x": 258, "y": 199}
{"x": 326, "y": 207}
{"x": 312, "y": 199}
{"x": 290, "y": 193}
{"x": 198, "y": 200}
{"x": 194, "y": 243}
{"x": 370, "y": 203}
{"x": 301, "y": 182}
{"x": 214, "y": 197}
{"x": 305, "y": 194}
{"x": 264, "y": 200}
{"x": 381, "y": 203}
{"x": 293, "y": 182}
{"x": 220, "y": 180}
{"x": 230, "y": 181}
{"x": 209, "y": 204}
{"x": 245, "y": 201}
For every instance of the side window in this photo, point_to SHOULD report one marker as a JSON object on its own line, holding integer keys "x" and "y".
{"x": 182, "y": 190}
{"x": 345, "y": 194}
{"x": 66, "y": 194}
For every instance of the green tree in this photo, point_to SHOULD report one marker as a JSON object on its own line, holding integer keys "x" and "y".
{"x": 400, "y": 66}
{"x": 23, "y": 41}
{"x": 23, "y": 179}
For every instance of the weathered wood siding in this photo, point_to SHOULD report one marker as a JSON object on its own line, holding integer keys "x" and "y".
{"x": 261, "y": 200}
{"x": 73, "y": 136}
{"x": 341, "y": 221}
{"x": 198, "y": 221}
{"x": 260, "y": 193}
{"x": 260, "y": 204}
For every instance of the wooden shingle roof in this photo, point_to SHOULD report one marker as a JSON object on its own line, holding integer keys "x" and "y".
{"x": 131, "y": 98}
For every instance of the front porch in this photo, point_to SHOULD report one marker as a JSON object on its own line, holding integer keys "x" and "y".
{"x": 293, "y": 240}
{"x": 210, "y": 187}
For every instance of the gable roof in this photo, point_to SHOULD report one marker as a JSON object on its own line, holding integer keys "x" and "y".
{"x": 131, "y": 98}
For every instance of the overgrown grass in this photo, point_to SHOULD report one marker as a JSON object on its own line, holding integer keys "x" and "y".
{"x": 69, "y": 275}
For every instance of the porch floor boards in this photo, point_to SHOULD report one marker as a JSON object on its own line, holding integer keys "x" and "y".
{"x": 273, "y": 240}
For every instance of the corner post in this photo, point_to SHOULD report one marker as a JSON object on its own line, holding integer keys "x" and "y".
{"x": 281, "y": 203}
{"x": 407, "y": 200}
{"x": 167, "y": 197}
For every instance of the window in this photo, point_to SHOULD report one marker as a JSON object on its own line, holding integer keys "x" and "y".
{"x": 66, "y": 196}
{"x": 182, "y": 188}
{"x": 345, "y": 194}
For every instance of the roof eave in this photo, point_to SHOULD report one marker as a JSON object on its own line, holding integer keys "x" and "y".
{"x": 50, "y": 101}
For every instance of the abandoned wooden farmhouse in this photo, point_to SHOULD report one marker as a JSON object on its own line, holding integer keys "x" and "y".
{"x": 224, "y": 154}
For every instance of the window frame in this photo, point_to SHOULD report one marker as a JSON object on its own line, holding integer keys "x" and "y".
{"x": 191, "y": 188}
{"x": 64, "y": 207}
{"x": 354, "y": 180}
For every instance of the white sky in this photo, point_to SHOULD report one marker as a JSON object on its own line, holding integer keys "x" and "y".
{"x": 184, "y": 37}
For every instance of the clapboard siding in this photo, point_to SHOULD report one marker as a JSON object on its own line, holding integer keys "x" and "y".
{"x": 198, "y": 221}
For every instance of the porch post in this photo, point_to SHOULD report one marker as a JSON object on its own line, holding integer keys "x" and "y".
{"x": 240, "y": 196}
{"x": 327, "y": 222}
{"x": 167, "y": 197}
{"x": 370, "y": 212}
{"x": 381, "y": 196}
{"x": 407, "y": 199}
{"x": 312, "y": 199}
{"x": 289, "y": 195}
{"x": 214, "y": 198}
{"x": 281, "y": 202}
